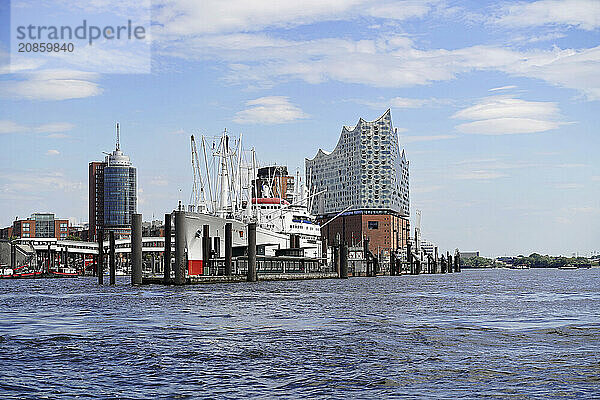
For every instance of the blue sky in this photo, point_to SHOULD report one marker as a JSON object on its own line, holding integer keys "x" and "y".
{"x": 496, "y": 103}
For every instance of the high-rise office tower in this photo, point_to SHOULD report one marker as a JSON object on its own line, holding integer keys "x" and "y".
{"x": 112, "y": 193}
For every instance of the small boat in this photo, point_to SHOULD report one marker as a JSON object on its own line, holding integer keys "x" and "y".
{"x": 569, "y": 266}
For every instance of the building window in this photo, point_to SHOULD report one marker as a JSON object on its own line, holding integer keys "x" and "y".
{"x": 373, "y": 224}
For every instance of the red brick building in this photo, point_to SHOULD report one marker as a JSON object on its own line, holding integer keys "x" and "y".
{"x": 386, "y": 232}
{"x": 41, "y": 225}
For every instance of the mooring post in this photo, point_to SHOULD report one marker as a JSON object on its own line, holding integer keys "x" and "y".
{"x": 13, "y": 256}
{"x": 179, "y": 247}
{"x": 100, "y": 261}
{"x": 252, "y": 276}
{"x": 344, "y": 260}
{"x": 449, "y": 262}
{"x": 392, "y": 263}
{"x": 111, "y": 258}
{"x": 167, "y": 252}
{"x": 409, "y": 258}
{"x": 136, "y": 249}
{"x": 228, "y": 253}
{"x": 206, "y": 248}
{"x": 217, "y": 246}
{"x": 366, "y": 254}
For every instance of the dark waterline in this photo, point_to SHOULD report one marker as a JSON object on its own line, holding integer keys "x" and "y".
{"x": 480, "y": 333}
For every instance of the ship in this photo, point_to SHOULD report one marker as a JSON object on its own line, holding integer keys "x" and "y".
{"x": 225, "y": 190}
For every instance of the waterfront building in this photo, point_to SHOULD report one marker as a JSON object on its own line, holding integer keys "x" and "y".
{"x": 367, "y": 175}
{"x": 468, "y": 254}
{"x": 274, "y": 181}
{"x": 41, "y": 225}
{"x": 112, "y": 193}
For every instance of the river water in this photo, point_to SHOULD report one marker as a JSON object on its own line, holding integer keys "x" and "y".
{"x": 479, "y": 333}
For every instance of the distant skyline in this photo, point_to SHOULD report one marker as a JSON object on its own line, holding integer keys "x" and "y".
{"x": 496, "y": 104}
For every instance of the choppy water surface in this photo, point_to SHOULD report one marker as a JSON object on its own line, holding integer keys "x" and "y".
{"x": 497, "y": 333}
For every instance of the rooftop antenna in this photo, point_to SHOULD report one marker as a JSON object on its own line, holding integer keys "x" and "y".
{"x": 118, "y": 144}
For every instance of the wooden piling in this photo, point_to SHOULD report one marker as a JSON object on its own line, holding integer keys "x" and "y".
{"x": 13, "y": 256}
{"x": 251, "y": 276}
{"x": 179, "y": 248}
{"x": 409, "y": 258}
{"x": 111, "y": 258}
{"x": 206, "y": 249}
{"x": 449, "y": 263}
{"x": 344, "y": 260}
{"x": 136, "y": 249}
{"x": 228, "y": 249}
{"x": 392, "y": 263}
{"x": 100, "y": 262}
{"x": 167, "y": 252}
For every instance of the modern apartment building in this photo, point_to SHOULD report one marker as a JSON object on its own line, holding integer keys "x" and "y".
{"x": 41, "y": 225}
{"x": 366, "y": 176}
{"x": 112, "y": 193}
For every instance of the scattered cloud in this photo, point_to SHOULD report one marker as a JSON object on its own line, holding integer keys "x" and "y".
{"x": 537, "y": 39}
{"x": 51, "y": 85}
{"x": 57, "y": 136}
{"x": 177, "y": 132}
{"x": 401, "y": 102}
{"x": 182, "y": 17}
{"x": 37, "y": 181}
{"x": 502, "y": 115}
{"x": 567, "y": 186}
{"x": 8, "y": 127}
{"x": 480, "y": 175}
{"x": 413, "y": 139}
{"x": 571, "y": 165}
{"x": 11, "y": 127}
{"x": 596, "y": 178}
{"x": 496, "y": 89}
{"x": 583, "y": 14}
{"x": 54, "y": 127}
{"x": 269, "y": 110}
{"x": 426, "y": 189}
{"x": 159, "y": 181}
{"x": 52, "y": 152}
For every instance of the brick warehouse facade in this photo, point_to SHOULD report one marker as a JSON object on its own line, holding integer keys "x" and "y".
{"x": 386, "y": 232}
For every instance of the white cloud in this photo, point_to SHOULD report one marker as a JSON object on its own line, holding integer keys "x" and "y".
{"x": 480, "y": 175}
{"x": 36, "y": 181}
{"x": 384, "y": 61}
{"x": 425, "y": 189}
{"x": 52, "y": 152}
{"x": 500, "y": 106}
{"x": 496, "y": 89}
{"x": 269, "y": 110}
{"x": 177, "y": 132}
{"x": 413, "y": 139}
{"x": 401, "y": 102}
{"x": 11, "y": 127}
{"x": 507, "y": 126}
{"x": 54, "y": 127}
{"x": 159, "y": 181}
{"x": 571, "y": 165}
{"x": 184, "y": 17}
{"x": 584, "y": 14}
{"x": 7, "y": 127}
{"x": 502, "y": 115}
{"x": 567, "y": 186}
{"x": 51, "y": 85}
{"x": 57, "y": 136}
